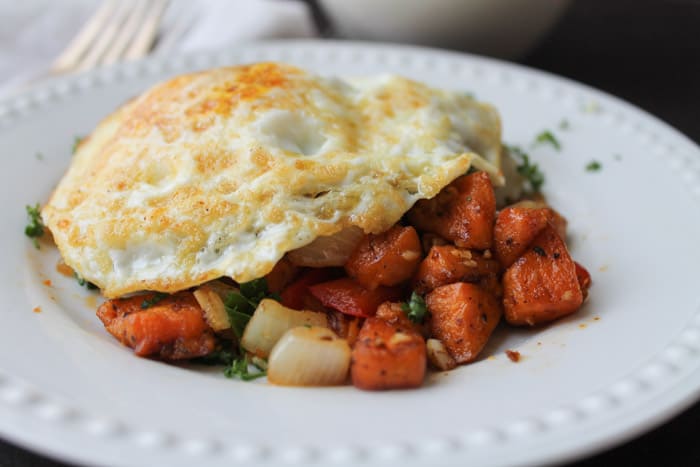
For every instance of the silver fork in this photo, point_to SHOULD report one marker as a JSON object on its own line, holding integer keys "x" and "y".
{"x": 119, "y": 30}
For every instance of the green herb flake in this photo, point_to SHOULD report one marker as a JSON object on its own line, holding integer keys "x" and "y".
{"x": 594, "y": 166}
{"x": 240, "y": 368}
{"x": 149, "y": 302}
{"x": 39, "y": 156}
{"x": 255, "y": 290}
{"x": 591, "y": 107}
{"x": 218, "y": 357}
{"x": 240, "y": 305}
{"x": 527, "y": 169}
{"x": 87, "y": 284}
{"x": 239, "y": 310}
{"x": 76, "y": 142}
{"x": 564, "y": 124}
{"x": 617, "y": 157}
{"x": 35, "y": 228}
{"x": 547, "y": 137}
{"x": 415, "y": 309}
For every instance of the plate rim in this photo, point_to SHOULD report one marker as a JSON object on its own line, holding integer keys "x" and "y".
{"x": 23, "y": 104}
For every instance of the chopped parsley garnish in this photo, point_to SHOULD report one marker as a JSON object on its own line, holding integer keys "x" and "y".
{"x": 76, "y": 142}
{"x": 415, "y": 309}
{"x": 256, "y": 290}
{"x": 593, "y": 166}
{"x": 218, "y": 357}
{"x": 240, "y": 368}
{"x": 547, "y": 137}
{"x": 564, "y": 124}
{"x": 235, "y": 366}
{"x": 241, "y": 305}
{"x": 149, "y": 302}
{"x": 527, "y": 169}
{"x": 617, "y": 157}
{"x": 35, "y": 227}
{"x": 39, "y": 156}
{"x": 87, "y": 284}
{"x": 239, "y": 312}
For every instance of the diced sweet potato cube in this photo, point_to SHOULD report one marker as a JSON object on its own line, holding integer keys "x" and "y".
{"x": 541, "y": 285}
{"x": 463, "y": 212}
{"x": 171, "y": 327}
{"x": 394, "y": 314}
{"x": 518, "y": 225}
{"x": 386, "y": 259}
{"x": 388, "y": 356}
{"x": 448, "y": 264}
{"x": 463, "y": 316}
{"x": 556, "y": 220}
{"x": 584, "y": 279}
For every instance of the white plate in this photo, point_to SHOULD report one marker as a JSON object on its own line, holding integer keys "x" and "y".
{"x": 626, "y": 362}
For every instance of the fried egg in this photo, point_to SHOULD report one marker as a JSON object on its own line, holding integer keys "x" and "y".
{"x": 221, "y": 172}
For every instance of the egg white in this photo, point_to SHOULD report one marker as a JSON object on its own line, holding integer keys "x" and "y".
{"x": 220, "y": 173}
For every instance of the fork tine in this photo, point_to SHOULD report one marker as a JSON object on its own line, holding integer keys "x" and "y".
{"x": 107, "y": 34}
{"x": 135, "y": 19}
{"x": 182, "y": 17}
{"x": 146, "y": 35}
{"x": 76, "y": 48}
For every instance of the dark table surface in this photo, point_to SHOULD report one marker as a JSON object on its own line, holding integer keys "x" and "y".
{"x": 647, "y": 52}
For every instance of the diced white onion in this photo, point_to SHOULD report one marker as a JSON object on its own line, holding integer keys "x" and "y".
{"x": 438, "y": 355}
{"x": 310, "y": 356}
{"x": 331, "y": 250}
{"x": 271, "y": 320}
{"x": 213, "y": 306}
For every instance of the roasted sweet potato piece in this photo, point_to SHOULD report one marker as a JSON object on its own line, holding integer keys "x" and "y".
{"x": 463, "y": 316}
{"x": 584, "y": 279}
{"x": 394, "y": 314}
{"x": 448, "y": 264}
{"x": 518, "y": 225}
{"x": 349, "y": 297}
{"x": 463, "y": 212}
{"x": 386, "y": 259}
{"x": 388, "y": 355}
{"x": 171, "y": 327}
{"x": 542, "y": 284}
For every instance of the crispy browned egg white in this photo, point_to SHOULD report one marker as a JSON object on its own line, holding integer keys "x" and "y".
{"x": 220, "y": 173}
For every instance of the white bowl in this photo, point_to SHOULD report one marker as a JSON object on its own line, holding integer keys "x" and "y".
{"x": 500, "y": 28}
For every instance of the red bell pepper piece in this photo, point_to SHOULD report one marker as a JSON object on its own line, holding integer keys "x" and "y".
{"x": 349, "y": 297}
{"x": 293, "y": 295}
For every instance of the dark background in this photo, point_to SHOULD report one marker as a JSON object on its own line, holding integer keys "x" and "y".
{"x": 646, "y": 52}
